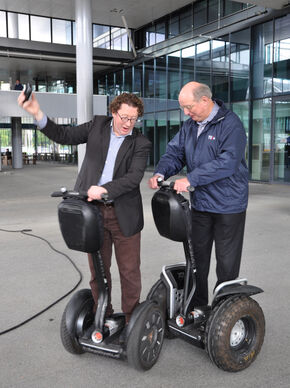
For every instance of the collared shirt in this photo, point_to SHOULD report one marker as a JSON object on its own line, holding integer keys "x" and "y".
{"x": 202, "y": 124}
{"x": 115, "y": 144}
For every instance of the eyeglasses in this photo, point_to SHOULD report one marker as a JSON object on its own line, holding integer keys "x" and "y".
{"x": 188, "y": 107}
{"x": 124, "y": 119}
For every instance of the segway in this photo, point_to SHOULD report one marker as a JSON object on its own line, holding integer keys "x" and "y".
{"x": 81, "y": 329}
{"x": 232, "y": 328}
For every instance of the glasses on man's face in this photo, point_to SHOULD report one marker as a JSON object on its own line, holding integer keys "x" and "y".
{"x": 187, "y": 107}
{"x": 125, "y": 119}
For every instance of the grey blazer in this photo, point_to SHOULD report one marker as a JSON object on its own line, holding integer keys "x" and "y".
{"x": 129, "y": 168}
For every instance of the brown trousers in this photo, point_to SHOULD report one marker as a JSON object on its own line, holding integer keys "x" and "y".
{"x": 127, "y": 252}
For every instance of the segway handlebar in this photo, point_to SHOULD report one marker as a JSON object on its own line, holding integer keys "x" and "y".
{"x": 64, "y": 193}
{"x": 163, "y": 183}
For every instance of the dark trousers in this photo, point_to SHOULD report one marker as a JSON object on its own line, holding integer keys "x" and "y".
{"x": 127, "y": 252}
{"x": 227, "y": 231}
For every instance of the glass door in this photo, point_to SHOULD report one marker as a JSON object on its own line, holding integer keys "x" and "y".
{"x": 282, "y": 139}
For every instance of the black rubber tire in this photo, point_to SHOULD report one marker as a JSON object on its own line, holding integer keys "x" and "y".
{"x": 234, "y": 350}
{"x": 146, "y": 338}
{"x": 80, "y": 302}
{"x": 158, "y": 294}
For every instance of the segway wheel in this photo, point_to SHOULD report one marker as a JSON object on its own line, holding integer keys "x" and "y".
{"x": 76, "y": 318}
{"x": 235, "y": 333}
{"x": 146, "y": 338}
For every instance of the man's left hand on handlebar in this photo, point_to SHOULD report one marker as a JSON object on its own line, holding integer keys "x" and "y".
{"x": 95, "y": 192}
{"x": 181, "y": 185}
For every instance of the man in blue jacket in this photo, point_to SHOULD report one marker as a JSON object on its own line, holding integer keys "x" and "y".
{"x": 211, "y": 144}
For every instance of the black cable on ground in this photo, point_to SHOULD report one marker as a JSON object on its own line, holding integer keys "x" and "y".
{"x": 26, "y": 232}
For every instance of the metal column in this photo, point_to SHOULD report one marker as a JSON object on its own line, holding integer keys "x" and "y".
{"x": 84, "y": 63}
{"x": 16, "y": 142}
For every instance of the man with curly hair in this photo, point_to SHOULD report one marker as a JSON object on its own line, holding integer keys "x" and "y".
{"x": 114, "y": 163}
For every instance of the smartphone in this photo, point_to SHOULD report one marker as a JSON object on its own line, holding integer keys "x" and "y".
{"x": 27, "y": 91}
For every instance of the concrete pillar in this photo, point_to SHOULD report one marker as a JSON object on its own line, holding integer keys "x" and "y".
{"x": 84, "y": 63}
{"x": 16, "y": 142}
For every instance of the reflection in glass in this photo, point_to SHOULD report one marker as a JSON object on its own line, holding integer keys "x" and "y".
{"x": 220, "y": 68}
{"x": 149, "y": 78}
{"x": 261, "y": 140}
{"x": 160, "y": 78}
{"x": 262, "y": 36}
{"x": 119, "y": 39}
{"x": 101, "y": 36}
{"x": 282, "y": 141}
{"x": 240, "y": 65}
{"x": 23, "y": 26}
{"x": 282, "y": 55}
{"x": 138, "y": 80}
{"x": 61, "y": 31}
{"x": 161, "y": 138}
{"x": 128, "y": 80}
{"x": 187, "y": 64}
{"x": 3, "y": 26}
{"x": 173, "y": 75}
{"x": 149, "y": 133}
{"x": 203, "y": 63}
{"x": 242, "y": 110}
{"x": 119, "y": 82}
{"x": 40, "y": 29}
{"x": 173, "y": 123}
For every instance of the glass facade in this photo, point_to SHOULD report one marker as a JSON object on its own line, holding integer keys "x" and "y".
{"x": 247, "y": 69}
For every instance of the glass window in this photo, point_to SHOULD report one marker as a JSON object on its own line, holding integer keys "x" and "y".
{"x": 160, "y": 32}
{"x": 262, "y": 59}
{"x": 23, "y": 26}
{"x": 150, "y": 36}
{"x": 101, "y": 36}
{"x": 173, "y": 123}
{"x": 119, "y": 82}
{"x": 149, "y": 133}
{"x": 128, "y": 80}
{"x": 187, "y": 64}
{"x": 185, "y": 23}
{"x": 160, "y": 80}
{"x": 261, "y": 140}
{"x": 173, "y": 76}
{"x": 149, "y": 79}
{"x": 111, "y": 84}
{"x": 200, "y": 14}
{"x": 214, "y": 9}
{"x": 282, "y": 55}
{"x": 161, "y": 138}
{"x": 3, "y": 26}
{"x": 232, "y": 7}
{"x": 240, "y": 65}
{"x": 74, "y": 33}
{"x": 173, "y": 26}
{"x": 138, "y": 80}
{"x": 242, "y": 110}
{"x": 40, "y": 29}
{"x": 18, "y": 26}
{"x": 282, "y": 141}
{"x": 61, "y": 31}
{"x": 119, "y": 39}
{"x": 203, "y": 63}
{"x": 102, "y": 89}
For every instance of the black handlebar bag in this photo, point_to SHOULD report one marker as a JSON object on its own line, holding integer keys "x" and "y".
{"x": 81, "y": 225}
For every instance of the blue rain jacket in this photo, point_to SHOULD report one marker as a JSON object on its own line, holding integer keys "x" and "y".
{"x": 215, "y": 162}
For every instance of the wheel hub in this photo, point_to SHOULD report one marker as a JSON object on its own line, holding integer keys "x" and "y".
{"x": 238, "y": 333}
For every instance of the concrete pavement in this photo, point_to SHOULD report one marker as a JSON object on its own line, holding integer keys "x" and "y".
{"x": 33, "y": 276}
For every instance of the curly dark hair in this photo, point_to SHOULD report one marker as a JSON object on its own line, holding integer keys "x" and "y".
{"x": 129, "y": 99}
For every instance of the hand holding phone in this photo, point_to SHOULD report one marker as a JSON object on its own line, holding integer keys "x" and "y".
{"x": 27, "y": 91}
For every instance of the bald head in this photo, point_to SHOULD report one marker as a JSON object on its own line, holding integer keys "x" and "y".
{"x": 196, "y": 90}
{"x": 195, "y": 99}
